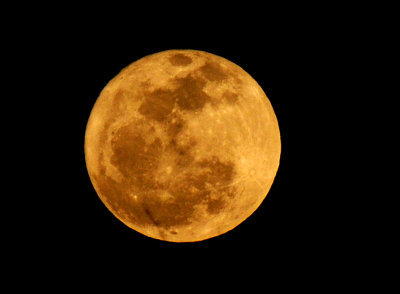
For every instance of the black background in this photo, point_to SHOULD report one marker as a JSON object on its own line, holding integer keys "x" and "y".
{"x": 316, "y": 64}
{"x": 291, "y": 58}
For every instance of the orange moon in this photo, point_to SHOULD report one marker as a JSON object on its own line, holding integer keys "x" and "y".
{"x": 182, "y": 145}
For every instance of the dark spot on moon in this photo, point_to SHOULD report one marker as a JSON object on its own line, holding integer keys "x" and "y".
{"x": 112, "y": 113}
{"x": 230, "y": 97}
{"x": 188, "y": 95}
{"x": 173, "y": 232}
{"x": 118, "y": 96}
{"x": 213, "y": 71}
{"x": 146, "y": 84}
{"x": 147, "y": 211}
{"x": 102, "y": 169}
{"x": 180, "y": 59}
{"x": 219, "y": 171}
{"x": 215, "y": 205}
{"x": 157, "y": 104}
{"x": 121, "y": 97}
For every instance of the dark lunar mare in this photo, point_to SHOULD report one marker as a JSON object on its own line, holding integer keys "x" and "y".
{"x": 192, "y": 182}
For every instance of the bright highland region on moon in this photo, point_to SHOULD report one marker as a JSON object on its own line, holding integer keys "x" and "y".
{"x": 182, "y": 145}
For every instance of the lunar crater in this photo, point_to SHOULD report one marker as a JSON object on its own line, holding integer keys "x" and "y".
{"x": 213, "y": 71}
{"x": 180, "y": 59}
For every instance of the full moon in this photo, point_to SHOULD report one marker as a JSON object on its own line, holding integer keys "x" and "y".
{"x": 182, "y": 145}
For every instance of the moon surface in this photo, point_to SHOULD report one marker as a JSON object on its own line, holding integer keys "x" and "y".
{"x": 182, "y": 145}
